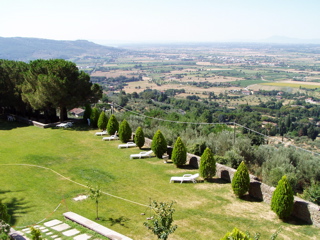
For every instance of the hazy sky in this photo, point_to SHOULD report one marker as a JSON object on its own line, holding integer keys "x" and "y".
{"x": 160, "y": 20}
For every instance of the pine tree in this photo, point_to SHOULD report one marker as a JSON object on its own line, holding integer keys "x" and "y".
{"x": 241, "y": 180}
{"x": 125, "y": 131}
{"x": 282, "y": 199}
{"x": 159, "y": 144}
{"x": 139, "y": 137}
{"x": 102, "y": 121}
{"x": 179, "y": 153}
{"x": 207, "y": 164}
{"x": 113, "y": 125}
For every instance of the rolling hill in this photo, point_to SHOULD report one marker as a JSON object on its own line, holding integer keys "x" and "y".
{"x": 26, "y": 49}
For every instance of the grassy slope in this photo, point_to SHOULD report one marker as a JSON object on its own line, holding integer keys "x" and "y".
{"x": 203, "y": 210}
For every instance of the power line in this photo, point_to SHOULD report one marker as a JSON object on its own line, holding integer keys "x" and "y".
{"x": 224, "y": 123}
{"x": 82, "y": 185}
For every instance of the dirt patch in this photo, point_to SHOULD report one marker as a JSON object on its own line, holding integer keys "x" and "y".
{"x": 256, "y": 210}
{"x": 115, "y": 73}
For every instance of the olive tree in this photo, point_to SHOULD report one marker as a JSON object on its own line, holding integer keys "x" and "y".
{"x": 95, "y": 194}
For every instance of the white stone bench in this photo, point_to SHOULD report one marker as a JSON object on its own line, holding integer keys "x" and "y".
{"x": 95, "y": 226}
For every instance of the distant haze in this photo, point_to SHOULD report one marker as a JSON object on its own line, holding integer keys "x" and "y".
{"x": 124, "y": 21}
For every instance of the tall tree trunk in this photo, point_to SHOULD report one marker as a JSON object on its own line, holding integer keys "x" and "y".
{"x": 63, "y": 114}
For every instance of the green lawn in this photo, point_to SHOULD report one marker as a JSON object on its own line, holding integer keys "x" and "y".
{"x": 203, "y": 210}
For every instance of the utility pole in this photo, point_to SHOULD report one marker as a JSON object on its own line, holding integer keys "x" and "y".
{"x": 234, "y": 133}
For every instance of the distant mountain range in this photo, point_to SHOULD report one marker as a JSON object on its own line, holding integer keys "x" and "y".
{"x": 25, "y": 49}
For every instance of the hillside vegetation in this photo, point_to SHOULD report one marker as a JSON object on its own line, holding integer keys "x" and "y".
{"x": 25, "y": 49}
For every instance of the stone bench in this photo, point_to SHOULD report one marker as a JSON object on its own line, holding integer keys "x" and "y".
{"x": 95, "y": 226}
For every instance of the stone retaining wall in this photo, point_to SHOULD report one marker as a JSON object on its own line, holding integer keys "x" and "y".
{"x": 34, "y": 123}
{"x": 302, "y": 209}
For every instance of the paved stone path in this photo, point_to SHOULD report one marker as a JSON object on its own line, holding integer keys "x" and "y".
{"x": 54, "y": 229}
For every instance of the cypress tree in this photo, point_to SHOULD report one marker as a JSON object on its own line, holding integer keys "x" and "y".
{"x": 282, "y": 199}
{"x": 95, "y": 113}
{"x": 241, "y": 180}
{"x": 207, "y": 164}
{"x": 87, "y": 113}
{"x": 102, "y": 121}
{"x": 113, "y": 125}
{"x": 139, "y": 137}
{"x": 125, "y": 131}
{"x": 159, "y": 144}
{"x": 179, "y": 153}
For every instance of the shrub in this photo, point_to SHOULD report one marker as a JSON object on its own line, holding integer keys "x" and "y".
{"x": 159, "y": 144}
{"x": 125, "y": 131}
{"x": 35, "y": 233}
{"x": 241, "y": 180}
{"x": 113, "y": 125}
{"x": 282, "y": 199}
{"x": 139, "y": 137}
{"x": 179, "y": 153}
{"x": 207, "y": 164}
{"x": 236, "y": 234}
{"x": 220, "y": 159}
{"x": 102, "y": 121}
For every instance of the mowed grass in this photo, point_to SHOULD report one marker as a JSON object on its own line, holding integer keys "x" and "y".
{"x": 203, "y": 210}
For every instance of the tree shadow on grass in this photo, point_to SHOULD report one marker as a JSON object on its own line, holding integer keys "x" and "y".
{"x": 187, "y": 167}
{"x": 5, "y": 125}
{"x": 16, "y": 207}
{"x": 217, "y": 180}
{"x": 249, "y": 198}
{"x": 121, "y": 221}
{"x": 292, "y": 220}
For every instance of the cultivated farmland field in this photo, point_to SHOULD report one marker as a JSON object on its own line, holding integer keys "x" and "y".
{"x": 217, "y": 68}
{"x": 203, "y": 210}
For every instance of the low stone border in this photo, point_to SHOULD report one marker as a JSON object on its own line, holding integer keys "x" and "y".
{"x": 95, "y": 226}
